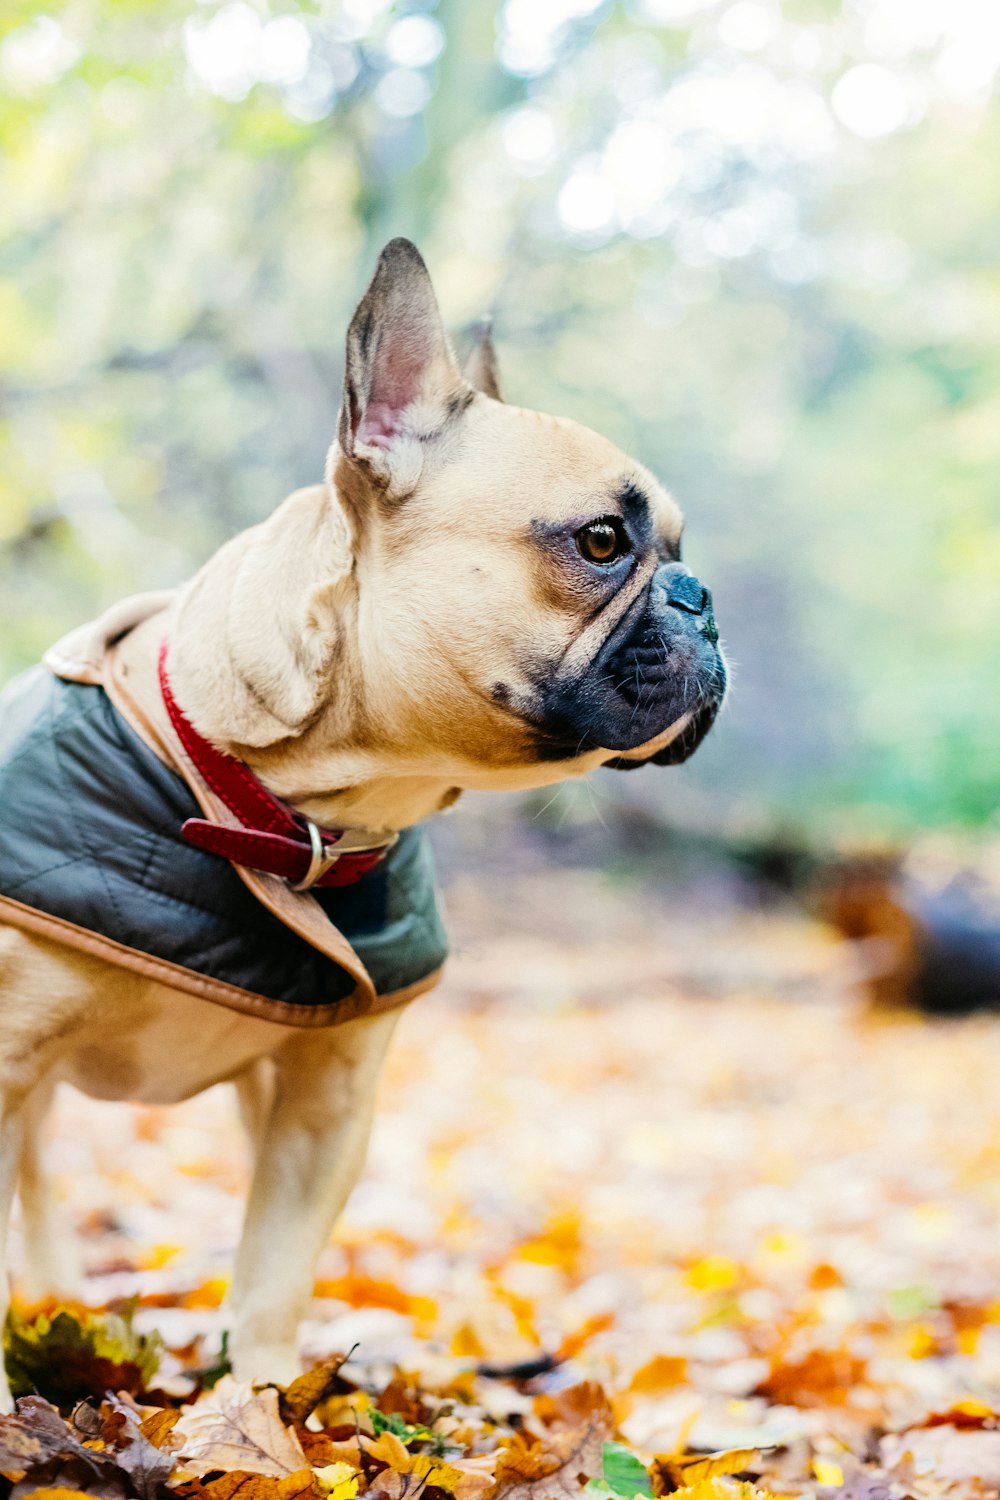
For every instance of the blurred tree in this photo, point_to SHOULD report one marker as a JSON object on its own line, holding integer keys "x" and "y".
{"x": 755, "y": 243}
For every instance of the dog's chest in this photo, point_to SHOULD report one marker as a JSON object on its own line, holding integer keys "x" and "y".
{"x": 161, "y": 1046}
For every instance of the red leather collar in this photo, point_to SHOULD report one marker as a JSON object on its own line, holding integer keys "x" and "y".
{"x": 274, "y": 837}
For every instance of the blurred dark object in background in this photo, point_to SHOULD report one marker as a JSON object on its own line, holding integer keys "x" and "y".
{"x": 928, "y": 944}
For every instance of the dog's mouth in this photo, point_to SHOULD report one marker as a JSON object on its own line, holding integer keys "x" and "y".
{"x": 650, "y": 695}
{"x": 675, "y": 745}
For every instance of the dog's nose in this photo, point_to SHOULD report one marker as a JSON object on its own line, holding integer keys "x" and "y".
{"x": 683, "y": 590}
{"x": 679, "y": 588}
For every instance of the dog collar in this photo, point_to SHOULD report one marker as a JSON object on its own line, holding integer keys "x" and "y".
{"x": 273, "y": 837}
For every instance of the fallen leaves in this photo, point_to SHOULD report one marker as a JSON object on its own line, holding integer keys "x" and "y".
{"x": 821, "y": 1377}
{"x": 768, "y": 1270}
{"x": 237, "y": 1427}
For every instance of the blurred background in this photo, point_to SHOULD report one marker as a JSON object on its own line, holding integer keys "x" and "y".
{"x": 756, "y": 243}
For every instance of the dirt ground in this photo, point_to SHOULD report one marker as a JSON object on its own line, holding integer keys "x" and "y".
{"x": 662, "y": 1138}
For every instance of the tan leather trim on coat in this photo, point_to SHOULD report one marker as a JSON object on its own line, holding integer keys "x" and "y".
{"x": 219, "y": 991}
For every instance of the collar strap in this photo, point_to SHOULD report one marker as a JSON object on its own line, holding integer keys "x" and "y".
{"x": 273, "y": 837}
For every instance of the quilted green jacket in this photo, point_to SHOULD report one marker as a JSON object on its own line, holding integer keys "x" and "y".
{"x": 90, "y": 843}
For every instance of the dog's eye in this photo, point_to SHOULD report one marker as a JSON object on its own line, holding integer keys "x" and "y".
{"x": 602, "y": 542}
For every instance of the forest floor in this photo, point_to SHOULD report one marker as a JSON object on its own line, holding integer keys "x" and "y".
{"x": 659, "y": 1141}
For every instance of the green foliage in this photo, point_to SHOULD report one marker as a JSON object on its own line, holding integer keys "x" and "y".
{"x": 622, "y": 1473}
{"x": 407, "y": 1432}
{"x": 796, "y": 323}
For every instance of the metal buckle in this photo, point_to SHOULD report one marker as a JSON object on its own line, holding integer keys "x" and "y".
{"x": 325, "y": 856}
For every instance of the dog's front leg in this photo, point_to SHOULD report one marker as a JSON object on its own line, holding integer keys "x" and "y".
{"x": 12, "y": 1135}
{"x": 311, "y": 1152}
{"x": 52, "y": 1265}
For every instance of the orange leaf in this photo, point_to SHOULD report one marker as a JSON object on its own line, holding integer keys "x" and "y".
{"x": 662, "y": 1373}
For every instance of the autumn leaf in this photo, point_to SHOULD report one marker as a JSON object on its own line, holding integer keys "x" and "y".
{"x": 235, "y": 1427}
{"x": 477, "y": 1476}
{"x": 239, "y": 1484}
{"x": 41, "y": 1451}
{"x": 964, "y": 1414}
{"x": 158, "y": 1426}
{"x": 586, "y": 1403}
{"x": 338, "y": 1481}
{"x": 823, "y": 1377}
{"x": 147, "y": 1466}
{"x": 718, "y": 1488}
{"x": 951, "y": 1455}
{"x": 32, "y": 1435}
{"x": 56, "y": 1492}
{"x": 553, "y": 1468}
{"x": 310, "y": 1390}
{"x": 677, "y": 1471}
{"x": 663, "y": 1373}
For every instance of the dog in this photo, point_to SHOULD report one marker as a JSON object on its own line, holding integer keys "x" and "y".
{"x": 476, "y": 596}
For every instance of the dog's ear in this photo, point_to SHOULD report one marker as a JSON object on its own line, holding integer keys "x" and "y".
{"x": 401, "y": 381}
{"x": 481, "y": 366}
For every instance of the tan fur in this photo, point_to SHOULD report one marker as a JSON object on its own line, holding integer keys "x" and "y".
{"x": 348, "y": 649}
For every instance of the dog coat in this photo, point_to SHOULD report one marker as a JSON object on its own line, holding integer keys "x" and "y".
{"x": 91, "y": 855}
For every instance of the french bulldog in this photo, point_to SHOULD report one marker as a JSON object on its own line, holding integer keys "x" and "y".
{"x": 476, "y": 596}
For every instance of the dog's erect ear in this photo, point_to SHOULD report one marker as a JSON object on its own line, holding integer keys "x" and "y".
{"x": 481, "y": 366}
{"x": 401, "y": 382}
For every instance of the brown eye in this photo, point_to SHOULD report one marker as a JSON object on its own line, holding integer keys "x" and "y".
{"x": 602, "y": 542}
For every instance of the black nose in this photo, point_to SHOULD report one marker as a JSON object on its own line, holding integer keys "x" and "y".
{"x": 684, "y": 591}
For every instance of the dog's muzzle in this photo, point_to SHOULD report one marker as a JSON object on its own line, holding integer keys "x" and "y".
{"x": 661, "y": 665}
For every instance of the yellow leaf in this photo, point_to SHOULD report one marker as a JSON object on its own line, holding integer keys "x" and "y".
{"x": 920, "y": 1341}
{"x": 722, "y": 1489}
{"x": 338, "y": 1481}
{"x": 828, "y": 1473}
{"x": 712, "y": 1466}
{"x": 59, "y": 1492}
{"x": 433, "y": 1471}
{"x": 715, "y": 1273}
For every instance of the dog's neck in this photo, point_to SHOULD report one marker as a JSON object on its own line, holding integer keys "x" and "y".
{"x": 259, "y": 662}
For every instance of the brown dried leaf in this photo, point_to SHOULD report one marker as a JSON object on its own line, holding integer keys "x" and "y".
{"x": 235, "y": 1427}
{"x": 310, "y": 1390}
{"x": 148, "y": 1467}
{"x": 158, "y": 1427}
{"x": 554, "y": 1468}
{"x": 584, "y": 1404}
{"x": 823, "y": 1377}
{"x": 239, "y": 1484}
{"x": 33, "y": 1434}
{"x": 953, "y": 1457}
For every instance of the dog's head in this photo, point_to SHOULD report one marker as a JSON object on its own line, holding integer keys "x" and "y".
{"x": 522, "y": 609}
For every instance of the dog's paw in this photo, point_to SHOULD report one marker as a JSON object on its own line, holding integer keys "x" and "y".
{"x": 277, "y": 1364}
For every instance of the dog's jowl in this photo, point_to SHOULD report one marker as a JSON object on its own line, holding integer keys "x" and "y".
{"x": 210, "y": 864}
